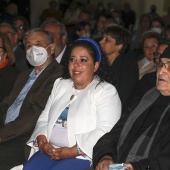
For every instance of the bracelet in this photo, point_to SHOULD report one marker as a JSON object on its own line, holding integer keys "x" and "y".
{"x": 40, "y": 143}
{"x": 80, "y": 151}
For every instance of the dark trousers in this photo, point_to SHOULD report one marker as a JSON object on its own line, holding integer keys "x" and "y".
{"x": 11, "y": 154}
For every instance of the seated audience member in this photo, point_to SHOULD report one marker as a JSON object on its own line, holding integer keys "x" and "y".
{"x": 142, "y": 140}
{"x": 8, "y": 74}
{"x": 128, "y": 16}
{"x": 149, "y": 43}
{"x": 110, "y": 21}
{"x": 110, "y": 7}
{"x": 84, "y": 16}
{"x": 144, "y": 25}
{"x": 123, "y": 67}
{"x": 153, "y": 12}
{"x": 52, "y": 12}
{"x": 157, "y": 25}
{"x": 99, "y": 27}
{"x": 21, "y": 24}
{"x": 82, "y": 30}
{"x": 147, "y": 82}
{"x": 166, "y": 33}
{"x": 60, "y": 39}
{"x": 11, "y": 11}
{"x": 72, "y": 13}
{"x": 20, "y": 110}
{"x": 100, "y": 9}
{"x": 166, "y": 17}
{"x": 20, "y": 55}
{"x": 81, "y": 108}
{"x": 117, "y": 15}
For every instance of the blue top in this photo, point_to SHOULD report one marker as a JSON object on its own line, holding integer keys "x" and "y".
{"x": 14, "y": 109}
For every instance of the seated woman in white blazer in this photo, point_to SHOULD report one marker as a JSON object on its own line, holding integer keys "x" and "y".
{"x": 82, "y": 107}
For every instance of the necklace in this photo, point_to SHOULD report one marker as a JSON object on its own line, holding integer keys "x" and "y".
{"x": 75, "y": 91}
{"x": 72, "y": 97}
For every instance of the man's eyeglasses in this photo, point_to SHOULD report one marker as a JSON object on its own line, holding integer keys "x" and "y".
{"x": 160, "y": 64}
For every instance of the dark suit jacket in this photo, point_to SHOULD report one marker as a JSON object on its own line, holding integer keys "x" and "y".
{"x": 158, "y": 154}
{"x": 65, "y": 58}
{"x": 147, "y": 82}
{"x": 8, "y": 76}
{"x": 33, "y": 103}
{"x": 125, "y": 75}
{"x": 20, "y": 59}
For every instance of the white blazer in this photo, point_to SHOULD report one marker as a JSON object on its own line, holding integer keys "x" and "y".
{"x": 92, "y": 113}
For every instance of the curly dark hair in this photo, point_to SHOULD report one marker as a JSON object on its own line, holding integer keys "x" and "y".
{"x": 103, "y": 73}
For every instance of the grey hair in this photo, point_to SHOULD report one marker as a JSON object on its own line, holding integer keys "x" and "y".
{"x": 49, "y": 36}
{"x": 4, "y": 24}
{"x": 53, "y": 21}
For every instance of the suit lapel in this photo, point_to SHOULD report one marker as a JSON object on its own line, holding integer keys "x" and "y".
{"x": 43, "y": 77}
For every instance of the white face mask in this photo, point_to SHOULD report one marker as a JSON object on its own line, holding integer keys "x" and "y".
{"x": 37, "y": 56}
{"x": 86, "y": 35}
{"x": 156, "y": 29}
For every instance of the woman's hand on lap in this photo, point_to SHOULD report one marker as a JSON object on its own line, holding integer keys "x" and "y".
{"x": 64, "y": 152}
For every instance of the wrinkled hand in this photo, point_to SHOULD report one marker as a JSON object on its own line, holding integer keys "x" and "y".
{"x": 47, "y": 148}
{"x": 64, "y": 152}
{"x": 129, "y": 166}
{"x": 104, "y": 164}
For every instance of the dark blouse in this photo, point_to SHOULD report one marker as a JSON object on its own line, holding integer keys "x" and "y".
{"x": 125, "y": 73}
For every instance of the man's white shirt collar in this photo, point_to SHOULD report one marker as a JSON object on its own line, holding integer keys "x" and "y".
{"x": 60, "y": 55}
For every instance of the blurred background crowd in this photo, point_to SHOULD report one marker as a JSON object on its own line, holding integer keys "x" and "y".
{"x": 135, "y": 16}
{"x": 141, "y": 30}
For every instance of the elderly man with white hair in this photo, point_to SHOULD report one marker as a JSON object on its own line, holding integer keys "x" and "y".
{"x": 141, "y": 140}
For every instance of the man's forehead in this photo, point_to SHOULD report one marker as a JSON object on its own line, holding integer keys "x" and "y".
{"x": 161, "y": 48}
{"x": 164, "y": 60}
{"x": 52, "y": 28}
{"x": 36, "y": 36}
{"x": 39, "y": 35}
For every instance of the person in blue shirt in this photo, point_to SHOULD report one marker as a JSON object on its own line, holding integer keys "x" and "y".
{"x": 20, "y": 110}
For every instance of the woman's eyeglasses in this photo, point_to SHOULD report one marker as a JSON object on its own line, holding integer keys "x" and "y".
{"x": 154, "y": 46}
{"x": 20, "y": 27}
